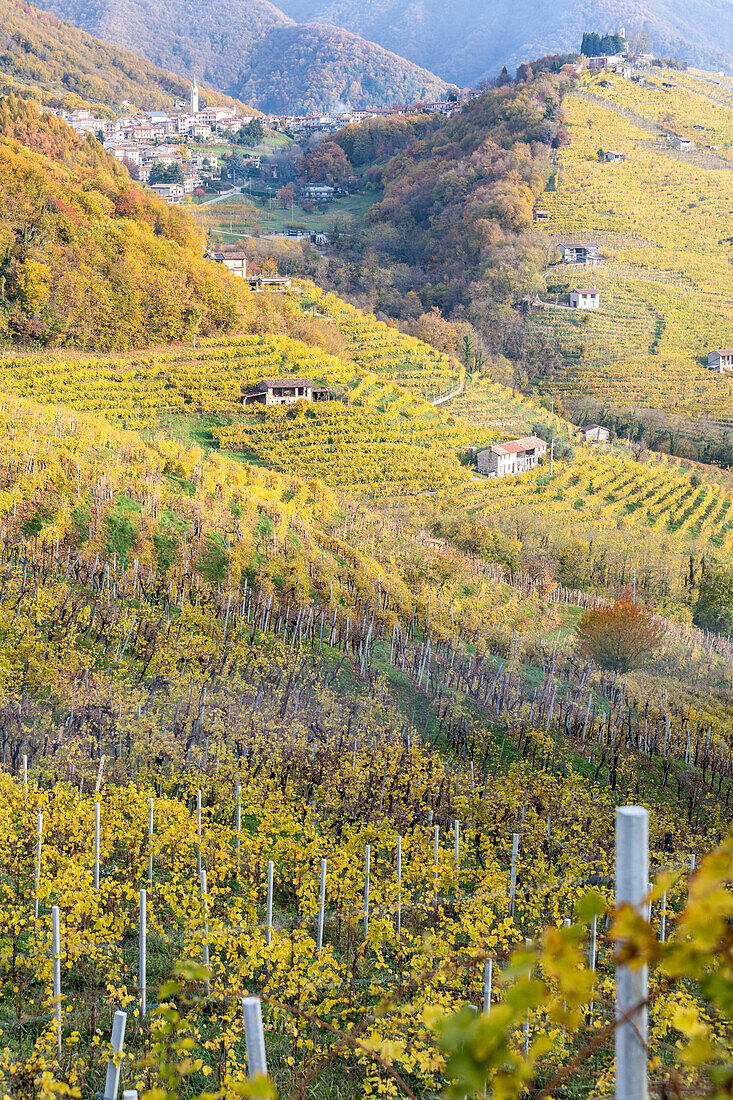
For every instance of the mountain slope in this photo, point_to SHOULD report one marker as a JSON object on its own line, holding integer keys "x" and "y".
{"x": 254, "y": 49}
{"x": 62, "y": 63}
{"x": 466, "y": 42}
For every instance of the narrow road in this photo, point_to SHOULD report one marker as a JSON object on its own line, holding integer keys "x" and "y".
{"x": 221, "y": 198}
{"x": 449, "y": 396}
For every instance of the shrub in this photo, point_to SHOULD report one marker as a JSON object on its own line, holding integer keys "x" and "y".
{"x": 621, "y": 637}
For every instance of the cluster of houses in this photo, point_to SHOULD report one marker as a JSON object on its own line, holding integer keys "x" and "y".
{"x": 330, "y": 122}
{"x": 142, "y": 140}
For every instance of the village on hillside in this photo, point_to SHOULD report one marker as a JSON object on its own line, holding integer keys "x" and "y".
{"x": 154, "y": 145}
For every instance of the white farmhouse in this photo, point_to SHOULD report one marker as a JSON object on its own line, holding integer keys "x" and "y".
{"x": 585, "y": 299}
{"x": 511, "y": 458}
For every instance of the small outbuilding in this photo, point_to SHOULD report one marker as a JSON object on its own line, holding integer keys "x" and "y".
{"x": 580, "y": 253}
{"x": 286, "y": 391}
{"x": 585, "y": 299}
{"x": 594, "y": 433}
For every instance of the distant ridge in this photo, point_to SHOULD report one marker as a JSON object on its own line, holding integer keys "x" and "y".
{"x": 252, "y": 50}
{"x": 465, "y": 42}
{"x": 65, "y": 65}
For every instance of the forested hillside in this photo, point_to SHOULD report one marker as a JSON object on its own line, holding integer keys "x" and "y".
{"x": 63, "y": 66}
{"x": 253, "y": 51}
{"x": 454, "y": 224}
{"x": 88, "y": 257}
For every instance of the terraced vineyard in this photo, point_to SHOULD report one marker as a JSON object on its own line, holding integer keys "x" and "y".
{"x": 623, "y": 324}
{"x": 365, "y": 448}
{"x": 137, "y": 389}
{"x": 497, "y": 408}
{"x": 384, "y": 350}
{"x": 380, "y": 435}
{"x": 662, "y": 219}
{"x": 600, "y": 515}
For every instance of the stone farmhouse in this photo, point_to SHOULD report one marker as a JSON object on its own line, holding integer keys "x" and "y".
{"x": 594, "y": 433}
{"x": 585, "y": 299}
{"x": 511, "y": 458}
{"x": 580, "y": 253}
{"x": 286, "y": 391}
{"x": 721, "y": 360}
{"x": 612, "y": 156}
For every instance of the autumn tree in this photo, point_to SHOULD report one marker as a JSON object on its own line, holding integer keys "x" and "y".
{"x": 620, "y": 637}
{"x": 326, "y": 164}
{"x": 285, "y": 195}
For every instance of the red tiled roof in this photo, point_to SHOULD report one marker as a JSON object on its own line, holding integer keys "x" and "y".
{"x": 516, "y": 446}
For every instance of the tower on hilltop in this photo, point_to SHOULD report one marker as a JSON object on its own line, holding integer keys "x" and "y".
{"x": 194, "y": 98}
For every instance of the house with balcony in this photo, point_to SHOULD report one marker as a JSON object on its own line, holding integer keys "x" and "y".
{"x": 721, "y": 360}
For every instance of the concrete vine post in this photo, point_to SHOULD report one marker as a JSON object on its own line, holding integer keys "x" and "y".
{"x": 254, "y": 1036}
{"x": 97, "y": 840}
{"x": 56, "y": 957}
{"x": 592, "y": 953}
{"x": 488, "y": 973}
{"x": 322, "y": 906}
{"x": 513, "y": 873}
{"x": 268, "y": 914}
{"x": 198, "y": 832}
{"x": 112, "y": 1080}
{"x": 151, "y": 808}
{"x": 632, "y": 877}
{"x": 205, "y": 907}
{"x": 143, "y": 954}
{"x": 39, "y": 840}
